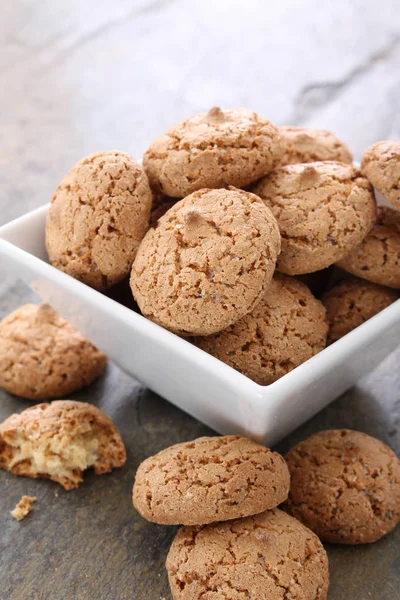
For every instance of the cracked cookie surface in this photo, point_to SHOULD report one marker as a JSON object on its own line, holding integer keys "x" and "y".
{"x": 210, "y": 479}
{"x": 207, "y": 262}
{"x": 381, "y": 165}
{"x": 345, "y": 486}
{"x": 304, "y": 145}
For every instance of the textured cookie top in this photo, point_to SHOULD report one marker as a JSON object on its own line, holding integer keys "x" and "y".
{"x": 381, "y": 164}
{"x": 216, "y": 149}
{"x": 210, "y": 479}
{"x": 303, "y": 145}
{"x": 97, "y": 218}
{"x": 42, "y": 356}
{"x": 59, "y": 441}
{"x": 351, "y": 302}
{"x": 270, "y": 556}
{"x": 323, "y": 209}
{"x": 286, "y": 328}
{"x": 207, "y": 263}
{"x": 345, "y": 486}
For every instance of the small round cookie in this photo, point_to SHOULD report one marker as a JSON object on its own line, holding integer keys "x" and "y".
{"x": 210, "y": 479}
{"x": 59, "y": 441}
{"x": 345, "y": 486}
{"x": 377, "y": 258}
{"x": 270, "y": 556}
{"x": 381, "y": 165}
{"x": 303, "y": 145}
{"x": 207, "y": 263}
{"x": 323, "y": 209}
{"x": 97, "y": 218}
{"x": 286, "y": 328}
{"x": 42, "y": 356}
{"x": 351, "y": 302}
{"x": 212, "y": 150}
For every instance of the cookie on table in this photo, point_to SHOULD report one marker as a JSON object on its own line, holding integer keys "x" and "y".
{"x": 323, "y": 209}
{"x": 345, "y": 486}
{"x": 207, "y": 263}
{"x": 381, "y": 165}
{"x": 210, "y": 479}
{"x": 377, "y": 258}
{"x": 304, "y": 145}
{"x": 42, "y": 356}
{"x": 97, "y": 218}
{"x": 351, "y": 302}
{"x": 269, "y": 556}
{"x": 286, "y": 328}
{"x": 212, "y": 150}
{"x": 59, "y": 441}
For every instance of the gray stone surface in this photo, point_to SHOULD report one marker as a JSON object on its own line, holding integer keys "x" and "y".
{"x": 81, "y": 76}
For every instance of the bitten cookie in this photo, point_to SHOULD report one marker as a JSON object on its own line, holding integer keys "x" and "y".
{"x": 381, "y": 165}
{"x": 42, "y": 356}
{"x": 207, "y": 263}
{"x": 351, "y": 302}
{"x": 345, "y": 486}
{"x": 286, "y": 328}
{"x": 303, "y": 145}
{"x": 210, "y": 479}
{"x": 212, "y": 150}
{"x": 97, "y": 218}
{"x": 59, "y": 441}
{"x": 377, "y": 258}
{"x": 323, "y": 209}
{"x": 269, "y": 556}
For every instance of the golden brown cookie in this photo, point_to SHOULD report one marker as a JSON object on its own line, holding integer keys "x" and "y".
{"x": 212, "y": 150}
{"x": 59, "y": 441}
{"x": 97, "y": 218}
{"x": 323, "y": 209}
{"x": 270, "y": 556}
{"x": 351, "y": 302}
{"x": 286, "y": 328}
{"x": 345, "y": 486}
{"x": 377, "y": 258}
{"x": 210, "y": 479}
{"x": 207, "y": 263}
{"x": 381, "y": 165}
{"x": 42, "y": 356}
{"x": 303, "y": 145}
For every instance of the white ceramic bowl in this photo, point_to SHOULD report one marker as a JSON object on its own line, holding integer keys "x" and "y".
{"x": 196, "y": 382}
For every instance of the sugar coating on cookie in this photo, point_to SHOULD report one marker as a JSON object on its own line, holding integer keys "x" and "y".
{"x": 269, "y": 556}
{"x": 381, "y": 165}
{"x": 216, "y": 149}
{"x": 345, "y": 486}
{"x": 377, "y": 258}
{"x": 207, "y": 263}
{"x": 351, "y": 302}
{"x": 98, "y": 215}
{"x": 304, "y": 145}
{"x": 59, "y": 441}
{"x": 286, "y": 328}
{"x": 210, "y": 479}
{"x": 44, "y": 357}
{"x": 323, "y": 209}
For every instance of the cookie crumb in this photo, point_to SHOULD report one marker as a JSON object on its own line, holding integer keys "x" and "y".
{"x": 23, "y": 508}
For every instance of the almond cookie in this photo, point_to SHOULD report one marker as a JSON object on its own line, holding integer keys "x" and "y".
{"x": 270, "y": 556}
{"x": 323, "y": 209}
{"x": 303, "y": 145}
{"x": 207, "y": 263}
{"x": 97, "y": 218}
{"x": 42, "y": 356}
{"x": 59, "y": 441}
{"x": 284, "y": 330}
{"x": 216, "y": 149}
{"x": 345, "y": 486}
{"x": 210, "y": 479}
{"x": 377, "y": 258}
{"x": 381, "y": 164}
{"x": 351, "y": 302}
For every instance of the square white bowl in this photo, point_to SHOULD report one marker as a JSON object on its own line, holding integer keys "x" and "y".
{"x": 188, "y": 377}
